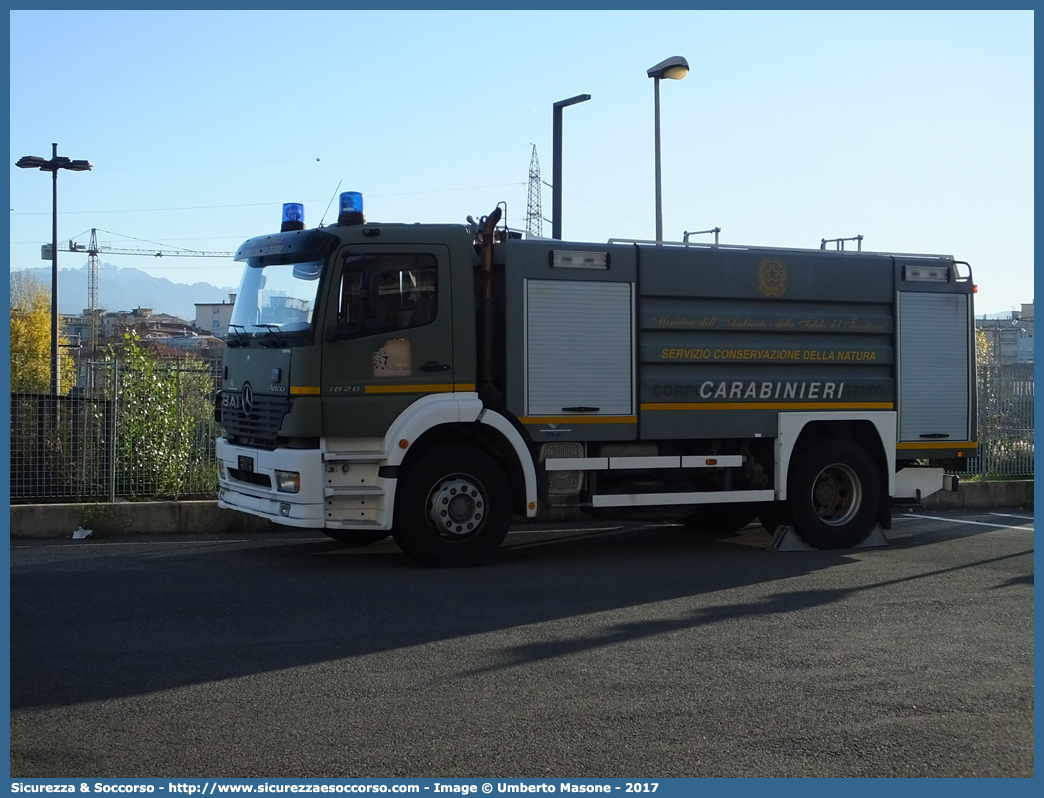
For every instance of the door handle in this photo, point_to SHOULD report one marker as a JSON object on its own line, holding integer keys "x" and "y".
{"x": 580, "y": 409}
{"x": 431, "y": 365}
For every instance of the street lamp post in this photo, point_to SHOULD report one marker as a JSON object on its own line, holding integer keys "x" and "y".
{"x": 57, "y": 162}
{"x": 674, "y": 68}
{"x": 556, "y": 168}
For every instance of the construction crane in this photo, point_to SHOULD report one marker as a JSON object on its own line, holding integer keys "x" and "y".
{"x": 94, "y": 266}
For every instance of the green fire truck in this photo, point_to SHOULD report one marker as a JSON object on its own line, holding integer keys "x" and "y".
{"x": 433, "y": 382}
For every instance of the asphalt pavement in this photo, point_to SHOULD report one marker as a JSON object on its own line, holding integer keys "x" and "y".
{"x": 595, "y": 649}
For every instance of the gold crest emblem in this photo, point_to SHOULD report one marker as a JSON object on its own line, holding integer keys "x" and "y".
{"x": 772, "y": 277}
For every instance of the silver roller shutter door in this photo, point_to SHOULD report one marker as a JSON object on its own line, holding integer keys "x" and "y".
{"x": 578, "y": 347}
{"x": 934, "y": 396}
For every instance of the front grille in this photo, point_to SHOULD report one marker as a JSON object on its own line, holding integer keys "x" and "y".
{"x": 249, "y": 476}
{"x": 261, "y": 426}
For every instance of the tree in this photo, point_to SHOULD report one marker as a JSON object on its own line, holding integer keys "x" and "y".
{"x": 31, "y": 339}
{"x": 983, "y": 350}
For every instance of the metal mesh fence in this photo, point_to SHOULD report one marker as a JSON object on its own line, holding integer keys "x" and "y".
{"x": 145, "y": 429}
{"x": 1005, "y": 421}
{"x": 137, "y": 429}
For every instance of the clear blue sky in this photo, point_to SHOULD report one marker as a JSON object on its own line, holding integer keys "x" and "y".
{"x": 912, "y": 129}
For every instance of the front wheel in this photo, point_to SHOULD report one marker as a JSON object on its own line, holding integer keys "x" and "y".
{"x": 452, "y": 508}
{"x": 833, "y": 495}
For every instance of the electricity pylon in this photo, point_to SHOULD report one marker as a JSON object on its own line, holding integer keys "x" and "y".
{"x": 534, "y": 213}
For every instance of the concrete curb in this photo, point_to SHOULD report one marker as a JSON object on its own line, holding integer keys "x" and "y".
{"x": 130, "y": 518}
{"x": 204, "y": 517}
{"x": 981, "y": 495}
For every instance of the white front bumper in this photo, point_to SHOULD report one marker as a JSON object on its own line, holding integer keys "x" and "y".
{"x": 302, "y": 509}
{"x": 338, "y": 490}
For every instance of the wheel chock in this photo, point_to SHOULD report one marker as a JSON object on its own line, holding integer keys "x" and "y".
{"x": 786, "y": 539}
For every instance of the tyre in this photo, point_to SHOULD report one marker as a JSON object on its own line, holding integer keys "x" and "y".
{"x": 355, "y": 538}
{"x": 720, "y": 518}
{"x": 452, "y": 508}
{"x": 833, "y": 494}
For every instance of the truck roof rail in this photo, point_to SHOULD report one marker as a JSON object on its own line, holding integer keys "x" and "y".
{"x": 744, "y": 247}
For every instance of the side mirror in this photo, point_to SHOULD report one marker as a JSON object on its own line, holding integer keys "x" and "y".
{"x": 308, "y": 271}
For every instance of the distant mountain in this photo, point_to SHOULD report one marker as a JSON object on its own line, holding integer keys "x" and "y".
{"x": 126, "y": 289}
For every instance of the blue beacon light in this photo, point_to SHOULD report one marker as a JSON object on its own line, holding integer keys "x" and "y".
{"x": 293, "y": 217}
{"x": 351, "y": 211}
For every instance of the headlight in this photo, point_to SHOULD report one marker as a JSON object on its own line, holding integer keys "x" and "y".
{"x": 288, "y": 481}
{"x": 222, "y": 472}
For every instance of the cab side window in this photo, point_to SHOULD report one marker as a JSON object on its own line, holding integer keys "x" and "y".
{"x": 385, "y": 293}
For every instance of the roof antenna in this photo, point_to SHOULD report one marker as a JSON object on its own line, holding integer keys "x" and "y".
{"x": 330, "y": 202}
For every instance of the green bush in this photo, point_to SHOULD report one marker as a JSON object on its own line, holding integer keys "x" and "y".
{"x": 165, "y": 435}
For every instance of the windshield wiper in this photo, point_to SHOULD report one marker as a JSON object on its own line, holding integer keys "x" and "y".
{"x": 240, "y": 339}
{"x": 270, "y": 328}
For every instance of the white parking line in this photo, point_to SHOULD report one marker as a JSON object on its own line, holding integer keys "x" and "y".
{"x": 110, "y": 542}
{"x": 556, "y": 530}
{"x": 94, "y": 543}
{"x": 1012, "y": 515}
{"x": 584, "y": 534}
{"x": 974, "y": 523}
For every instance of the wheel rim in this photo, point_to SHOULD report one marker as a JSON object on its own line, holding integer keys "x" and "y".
{"x": 837, "y": 494}
{"x": 457, "y": 506}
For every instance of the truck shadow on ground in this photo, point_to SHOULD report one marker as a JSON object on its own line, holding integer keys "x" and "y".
{"x": 130, "y": 620}
{"x": 770, "y": 603}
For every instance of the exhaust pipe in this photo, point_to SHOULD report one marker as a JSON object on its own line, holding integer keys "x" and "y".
{"x": 486, "y": 304}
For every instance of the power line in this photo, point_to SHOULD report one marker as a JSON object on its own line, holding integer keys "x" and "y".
{"x": 238, "y": 238}
{"x": 604, "y": 208}
{"x": 309, "y": 160}
{"x": 264, "y": 204}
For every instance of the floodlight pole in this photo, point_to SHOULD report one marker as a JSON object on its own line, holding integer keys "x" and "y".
{"x": 674, "y": 68}
{"x": 556, "y": 168}
{"x": 659, "y": 195}
{"x": 56, "y": 372}
{"x": 52, "y": 166}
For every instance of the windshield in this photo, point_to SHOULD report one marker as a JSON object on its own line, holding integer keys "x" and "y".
{"x": 276, "y": 298}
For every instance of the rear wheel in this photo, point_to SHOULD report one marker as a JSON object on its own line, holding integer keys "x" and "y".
{"x": 355, "y": 538}
{"x": 833, "y": 495}
{"x": 720, "y": 518}
{"x": 453, "y": 507}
